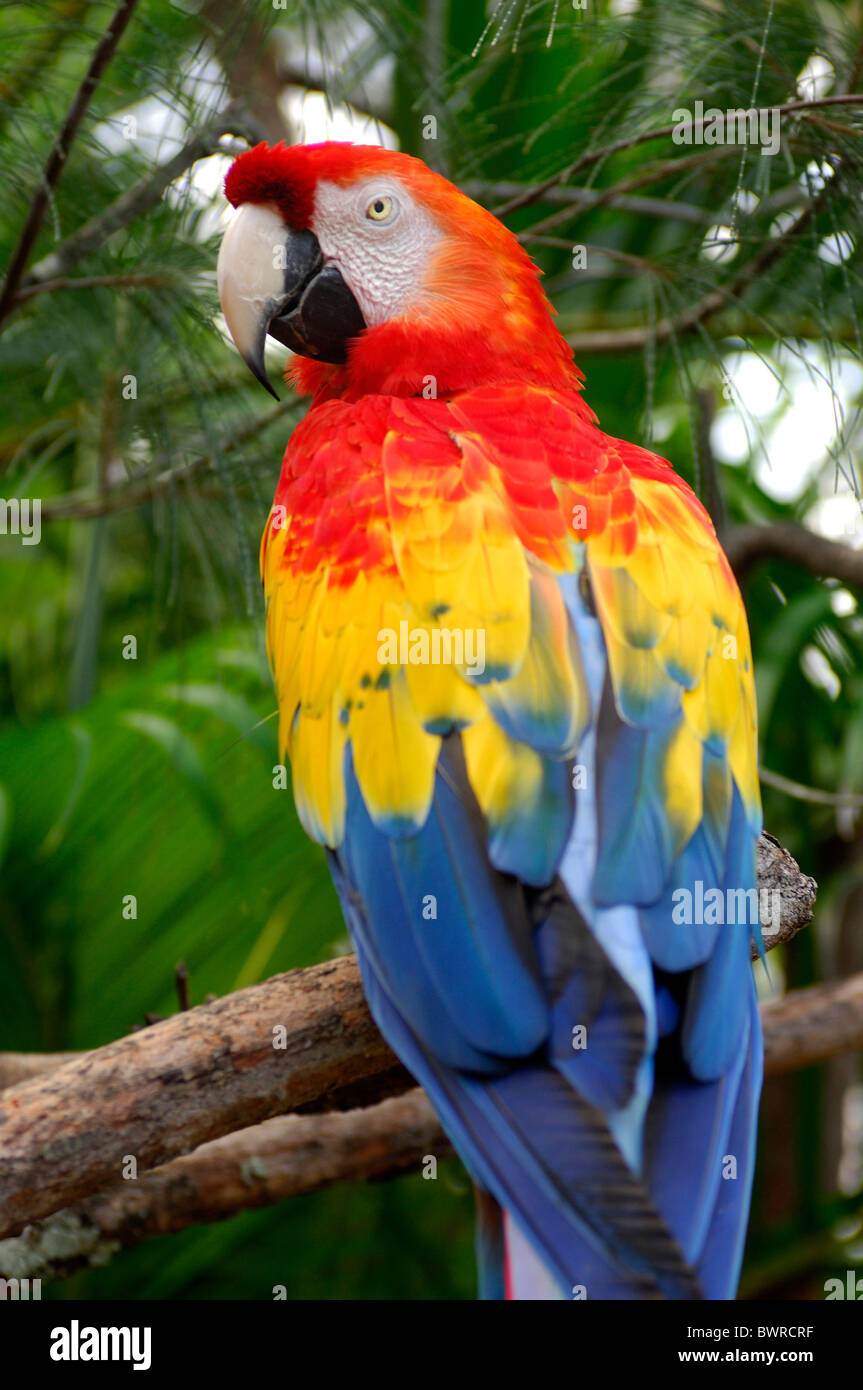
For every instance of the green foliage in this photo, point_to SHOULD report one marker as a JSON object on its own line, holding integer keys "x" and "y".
{"x": 155, "y": 456}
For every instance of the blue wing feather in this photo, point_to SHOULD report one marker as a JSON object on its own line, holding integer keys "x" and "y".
{"x": 607, "y": 1156}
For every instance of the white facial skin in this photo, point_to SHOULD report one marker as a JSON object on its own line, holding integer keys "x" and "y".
{"x": 379, "y": 239}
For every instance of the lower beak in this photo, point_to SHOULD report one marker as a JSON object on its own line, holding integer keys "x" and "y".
{"x": 274, "y": 280}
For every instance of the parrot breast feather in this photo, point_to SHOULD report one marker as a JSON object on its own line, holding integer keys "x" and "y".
{"x": 406, "y": 530}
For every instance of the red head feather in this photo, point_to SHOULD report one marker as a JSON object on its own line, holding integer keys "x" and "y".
{"x": 492, "y": 321}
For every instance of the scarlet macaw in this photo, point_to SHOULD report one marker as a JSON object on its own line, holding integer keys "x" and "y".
{"x": 509, "y": 834}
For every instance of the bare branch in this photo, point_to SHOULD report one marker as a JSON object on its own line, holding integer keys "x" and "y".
{"x": 126, "y": 280}
{"x": 297, "y": 1039}
{"x": 812, "y": 1025}
{"x": 104, "y": 52}
{"x": 778, "y": 872}
{"x": 255, "y": 1167}
{"x": 747, "y": 546}
{"x": 586, "y": 199}
{"x": 248, "y": 56}
{"x": 814, "y": 795}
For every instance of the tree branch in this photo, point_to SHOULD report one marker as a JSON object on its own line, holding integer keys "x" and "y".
{"x": 247, "y": 54}
{"x": 123, "y": 280}
{"x": 290, "y": 1155}
{"x": 840, "y": 801}
{"x": 170, "y": 1087}
{"x": 103, "y": 53}
{"x": 747, "y": 546}
{"x": 812, "y": 1025}
{"x": 588, "y": 198}
{"x": 257, "y": 1167}
{"x": 301, "y": 1041}
{"x": 778, "y": 872}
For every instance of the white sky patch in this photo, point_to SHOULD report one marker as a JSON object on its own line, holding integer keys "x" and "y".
{"x": 662, "y": 423}
{"x": 843, "y": 603}
{"x": 838, "y": 517}
{"x": 351, "y": 46}
{"x": 755, "y": 383}
{"x": 755, "y": 393}
{"x": 819, "y": 672}
{"x": 816, "y": 175}
{"x": 155, "y": 124}
{"x": 783, "y": 220}
{"x": 836, "y": 248}
{"x": 732, "y": 437}
{"x": 815, "y": 78}
{"x": 158, "y": 132}
{"x": 851, "y": 1161}
{"x": 156, "y": 129}
{"x": 787, "y": 418}
{"x": 746, "y": 201}
{"x": 315, "y": 118}
{"x": 720, "y": 244}
{"x": 204, "y": 84}
{"x": 799, "y": 442}
{"x": 203, "y": 185}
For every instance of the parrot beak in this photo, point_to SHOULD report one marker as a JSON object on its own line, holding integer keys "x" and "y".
{"x": 274, "y": 280}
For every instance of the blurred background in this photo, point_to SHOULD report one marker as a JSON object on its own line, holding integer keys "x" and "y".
{"x": 713, "y": 298}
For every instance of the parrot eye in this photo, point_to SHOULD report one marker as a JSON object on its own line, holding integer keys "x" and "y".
{"x": 380, "y": 208}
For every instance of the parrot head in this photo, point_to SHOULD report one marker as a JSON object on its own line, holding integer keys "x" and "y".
{"x": 380, "y": 275}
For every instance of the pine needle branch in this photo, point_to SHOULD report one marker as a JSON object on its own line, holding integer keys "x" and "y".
{"x": 56, "y": 162}
{"x": 629, "y": 142}
{"x": 137, "y": 200}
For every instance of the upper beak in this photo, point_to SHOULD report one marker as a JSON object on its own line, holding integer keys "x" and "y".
{"x": 274, "y": 280}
